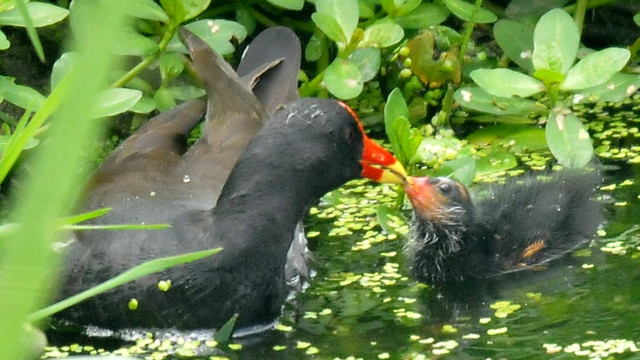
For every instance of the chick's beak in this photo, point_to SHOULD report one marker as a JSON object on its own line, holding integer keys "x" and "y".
{"x": 379, "y": 165}
{"x": 425, "y": 199}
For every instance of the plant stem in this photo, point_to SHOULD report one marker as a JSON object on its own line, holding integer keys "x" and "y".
{"x": 578, "y": 14}
{"x": 634, "y": 48}
{"x": 469, "y": 25}
{"x": 171, "y": 31}
{"x": 447, "y": 103}
{"x": 590, "y": 5}
{"x": 262, "y": 19}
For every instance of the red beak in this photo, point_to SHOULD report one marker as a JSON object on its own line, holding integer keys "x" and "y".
{"x": 377, "y": 163}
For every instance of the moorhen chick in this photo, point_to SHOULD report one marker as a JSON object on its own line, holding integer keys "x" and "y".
{"x": 264, "y": 157}
{"x": 520, "y": 225}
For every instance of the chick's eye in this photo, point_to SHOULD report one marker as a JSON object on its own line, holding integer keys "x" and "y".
{"x": 444, "y": 188}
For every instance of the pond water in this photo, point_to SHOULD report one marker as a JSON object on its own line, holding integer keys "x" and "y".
{"x": 362, "y": 302}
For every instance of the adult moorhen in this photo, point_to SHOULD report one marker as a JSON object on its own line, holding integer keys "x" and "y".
{"x": 264, "y": 157}
{"x": 520, "y": 225}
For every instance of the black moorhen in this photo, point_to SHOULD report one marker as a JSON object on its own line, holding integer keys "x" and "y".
{"x": 520, "y": 225}
{"x": 264, "y": 157}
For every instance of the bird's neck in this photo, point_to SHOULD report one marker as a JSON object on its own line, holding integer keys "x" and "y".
{"x": 435, "y": 247}
{"x": 261, "y": 202}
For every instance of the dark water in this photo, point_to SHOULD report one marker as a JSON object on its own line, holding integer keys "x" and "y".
{"x": 362, "y": 302}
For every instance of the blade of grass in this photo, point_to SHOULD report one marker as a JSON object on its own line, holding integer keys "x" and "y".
{"x": 141, "y": 270}
{"x": 117, "y": 227}
{"x": 28, "y": 266}
{"x": 86, "y": 216}
{"x": 31, "y": 30}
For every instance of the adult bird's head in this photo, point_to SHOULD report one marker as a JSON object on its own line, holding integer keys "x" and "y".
{"x": 377, "y": 163}
{"x": 313, "y": 146}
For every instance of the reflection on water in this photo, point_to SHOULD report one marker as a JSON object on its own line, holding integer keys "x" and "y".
{"x": 363, "y": 304}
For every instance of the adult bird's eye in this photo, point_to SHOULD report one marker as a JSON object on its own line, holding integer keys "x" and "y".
{"x": 444, "y": 188}
{"x": 349, "y": 134}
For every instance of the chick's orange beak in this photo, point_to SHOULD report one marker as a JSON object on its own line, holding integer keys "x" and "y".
{"x": 379, "y": 165}
{"x": 425, "y": 199}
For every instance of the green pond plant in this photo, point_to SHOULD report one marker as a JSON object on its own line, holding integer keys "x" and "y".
{"x": 555, "y": 83}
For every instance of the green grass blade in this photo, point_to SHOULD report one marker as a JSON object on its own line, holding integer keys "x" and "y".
{"x": 31, "y": 30}
{"x": 86, "y": 216}
{"x": 28, "y": 266}
{"x": 141, "y": 270}
{"x": 117, "y": 227}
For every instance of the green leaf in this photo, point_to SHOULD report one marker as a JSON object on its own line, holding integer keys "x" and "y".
{"x": 4, "y": 42}
{"x": 313, "y": 50}
{"x": 5, "y": 139}
{"x": 463, "y": 10}
{"x": 617, "y": 89}
{"x": 516, "y": 40}
{"x": 382, "y": 34}
{"x": 149, "y": 267}
{"x": 289, "y": 4}
{"x": 461, "y": 169}
{"x": 367, "y": 11}
{"x": 636, "y": 19}
{"x": 171, "y": 65}
{"x": 506, "y": 82}
{"x": 62, "y": 67}
{"x": 164, "y": 99}
{"x": 245, "y": 17}
{"x": 219, "y": 34}
{"x": 146, "y": 9}
{"x": 224, "y": 333}
{"x": 555, "y": 42}
{"x": 344, "y": 12}
{"x": 568, "y": 139}
{"x": 343, "y": 79}
{"x": 145, "y": 105}
{"x": 368, "y": 62}
{"x": 129, "y": 42}
{"x": 496, "y": 159}
{"x": 395, "y": 108}
{"x": 525, "y": 9}
{"x": 41, "y": 14}
{"x": 115, "y": 101}
{"x": 517, "y": 137}
{"x": 330, "y": 26}
{"x": 182, "y": 10}
{"x": 480, "y": 100}
{"x": 549, "y": 76}
{"x": 595, "y": 69}
{"x": 20, "y": 95}
{"x": 423, "y": 16}
{"x": 186, "y": 92}
{"x": 404, "y": 139}
{"x": 407, "y": 7}
{"x": 503, "y": 119}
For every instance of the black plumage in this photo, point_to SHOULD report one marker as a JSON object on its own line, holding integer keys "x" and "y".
{"x": 520, "y": 225}
{"x": 264, "y": 157}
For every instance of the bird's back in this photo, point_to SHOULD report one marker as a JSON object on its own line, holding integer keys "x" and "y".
{"x": 529, "y": 221}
